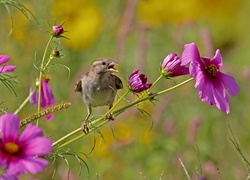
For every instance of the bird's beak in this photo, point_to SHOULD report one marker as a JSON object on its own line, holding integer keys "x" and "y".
{"x": 111, "y": 67}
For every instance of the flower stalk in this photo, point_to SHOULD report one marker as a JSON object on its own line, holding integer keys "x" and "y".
{"x": 156, "y": 81}
{"x": 94, "y": 122}
{"x": 25, "y": 101}
{"x": 152, "y": 96}
{"x": 42, "y": 67}
{"x": 99, "y": 122}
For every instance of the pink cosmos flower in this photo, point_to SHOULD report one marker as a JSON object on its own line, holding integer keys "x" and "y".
{"x": 213, "y": 85}
{"x": 171, "y": 66}
{"x": 4, "y": 59}
{"x": 47, "y": 97}
{"x": 138, "y": 82}
{"x": 19, "y": 154}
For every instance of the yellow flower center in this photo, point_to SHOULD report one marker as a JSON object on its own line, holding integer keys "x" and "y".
{"x": 211, "y": 70}
{"x": 11, "y": 148}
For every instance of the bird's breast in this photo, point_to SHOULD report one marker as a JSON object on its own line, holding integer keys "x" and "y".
{"x": 99, "y": 94}
{"x": 102, "y": 97}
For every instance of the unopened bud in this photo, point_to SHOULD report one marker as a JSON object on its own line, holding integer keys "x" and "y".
{"x": 57, "y": 30}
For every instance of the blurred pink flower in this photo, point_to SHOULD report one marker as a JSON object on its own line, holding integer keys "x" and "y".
{"x": 8, "y": 177}
{"x": 138, "y": 82}
{"x": 3, "y": 69}
{"x": 171, "y": 66}
{"x": 212, "y": 84}
{"x": 19, "y": 153}
{"x": 47, "y": 97}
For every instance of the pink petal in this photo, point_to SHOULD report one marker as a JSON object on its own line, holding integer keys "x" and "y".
{"x": 196, "y": 71}
{"x": 15, "y": 168}
{"x": 221, "y": 102}
{"x": 214, "y": 94}
{"x": 3, "y": 158}
{"x": 4, "y": 59}
{"x": 8, "y": 177}
{"x": 217, "y": 59}
{"x": 134, "y": 72}
{"x": 39, "y": 146}
{"x": 9, "y": 68}
{"x": 143, "y": 78}
{"x": 35, "y": 165}
{"x": 34, "y": 98}
{"x": 27, "y": 165}
{"x": 44, "y": 97}
{"x": 179, "y": 71}
{"x": 190, "y": 53}
{"x": 9, "y": 127}
{"x": 147, "y": 86}
{"x": 228, "y": 83}
{"x": 169, "y": 60}
{"x": 29, "y": 133}
{"x": 47, "y": 95}
{"x": 206, "y": 91}
{"x": 49, "y": 117}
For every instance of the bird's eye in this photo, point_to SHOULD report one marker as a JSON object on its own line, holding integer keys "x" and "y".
{"x": 103, "y": 63}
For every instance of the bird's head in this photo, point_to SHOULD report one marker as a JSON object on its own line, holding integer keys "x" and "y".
{"x": 104, "y": 65}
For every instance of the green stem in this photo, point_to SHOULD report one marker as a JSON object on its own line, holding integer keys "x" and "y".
{"x": 110, "y": 110}
{"x": 70, "y": 141}
{"x": 94, "y": 122}
{"x": 97, "y": 124}
{"x": 151, "y": 96}
{"x": 82, "y": 135}
{"x": 25, "y": 101}
{"x": 67, "y": 136}
{"x": 147, "y": 92}
{"x": 156, "y": 81}
{"x": 40, "y": 78}
{"x": 50, "y": 58}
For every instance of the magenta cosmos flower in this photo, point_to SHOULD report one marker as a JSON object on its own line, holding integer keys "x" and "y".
{"x": 212, "y": 84}
{"x": 171, "y": 66}
{"x": 3, "y": 69}
{"x": 47, "y": 97}
{"x": 138, "y": 82}
{"x": 19, "y": 154}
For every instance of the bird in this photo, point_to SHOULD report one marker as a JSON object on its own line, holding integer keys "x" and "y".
{"x": 99, "y": 86}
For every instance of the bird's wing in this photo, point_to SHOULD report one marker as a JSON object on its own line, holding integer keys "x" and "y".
{"x": 118, "y": 82}
{"x": 78, "y": 87}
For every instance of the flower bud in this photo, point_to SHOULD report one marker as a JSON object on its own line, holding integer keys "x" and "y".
{"x": 171, "y": 66}
{"x": 57, "y": 30}
{"x": 138, "y": 82}
{"x": 56, "y": 53}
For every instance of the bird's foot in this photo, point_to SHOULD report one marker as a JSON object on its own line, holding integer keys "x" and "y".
{"x": 110, "y": 117}
{"x": 85, "y": 127}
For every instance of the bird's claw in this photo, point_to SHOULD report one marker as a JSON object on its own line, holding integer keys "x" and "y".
{"x": 110, "y": 117}
{"x": 85, "y": 127}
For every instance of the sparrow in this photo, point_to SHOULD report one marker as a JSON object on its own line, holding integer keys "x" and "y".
{"x": 99, "y": 86}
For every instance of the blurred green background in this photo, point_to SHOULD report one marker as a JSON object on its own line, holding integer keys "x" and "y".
{"x": 138, "y": 35}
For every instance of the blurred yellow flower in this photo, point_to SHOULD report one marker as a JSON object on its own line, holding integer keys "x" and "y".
{"x": 123, "y": 137}
{"x": 82, "y": 20}
{"x": 155, "y": 13}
